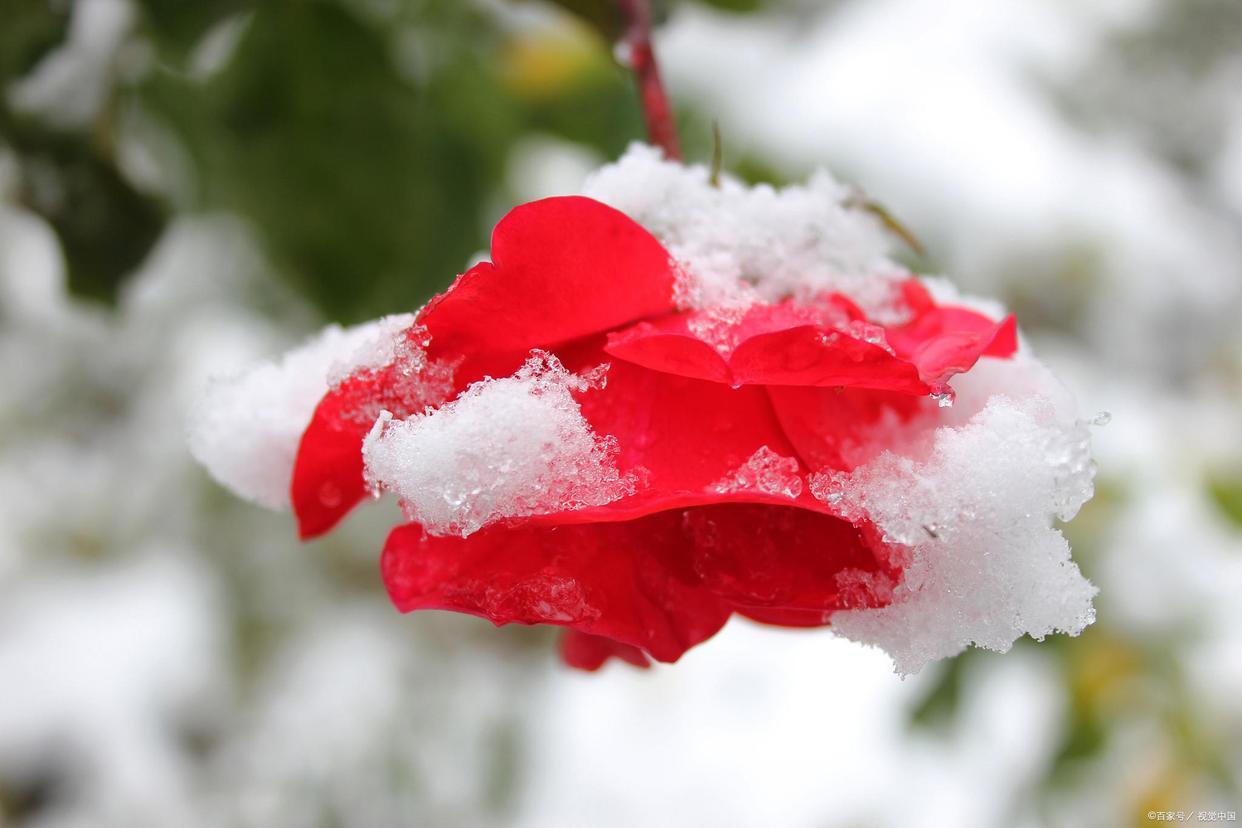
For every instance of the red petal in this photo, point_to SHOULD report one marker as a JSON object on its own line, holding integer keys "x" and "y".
{"x": 1005, "y": 343}
{"x": 810, "y": 355}
{"x": 807, "y": 343}
{"x": 327, "y": 473}
{"x": 782, "y": 344}
{"x": 782, "y": 617}
{"x": 660, "y": 584}
{"x": 590, "y": 652}
{"x": 685, "y": 434}
{"x": 947, "y": 340}
{"x": 789, "y": 559}
{"x": 561, "y": 268}
{"x": 629, "y": 582}
{"x": 839, "y": 428}
{"x": 667, "y": 345}
{"x": 564, "y": 268}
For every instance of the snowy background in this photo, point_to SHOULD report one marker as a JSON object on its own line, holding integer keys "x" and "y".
{"x": 187, "y": 190}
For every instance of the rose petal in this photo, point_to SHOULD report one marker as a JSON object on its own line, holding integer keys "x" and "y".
{"x": 590, "y": 652}
{"x": 681, "y": 434}
{"x": 838, "y": 428}
{"x": 789, "y": 558}
{"x": 810, "y": 355}
{"x": 561, "y": 268}
{"x": 782, "y": 617}
{"x": 812, "y": 343}
{"x": 943, "y": 340}
{"x": 630, "y": 582}
{"x": 327, "y": 472}
{"x": 660, "y": 583}
{"x": 668, "y": 345}
{"x": 564, "y": 268}
{"x": 947, "y": 341}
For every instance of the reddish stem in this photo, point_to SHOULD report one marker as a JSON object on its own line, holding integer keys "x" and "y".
{"x": 640, "y": 56}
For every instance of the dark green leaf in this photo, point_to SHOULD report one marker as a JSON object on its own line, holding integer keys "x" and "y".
{"x": 366, "y": 185}
{"x": 29, "y": 28}
{"x": 179, "y": 25}
{"x": 105, "y": 225}
{"x": 603, "y": 15}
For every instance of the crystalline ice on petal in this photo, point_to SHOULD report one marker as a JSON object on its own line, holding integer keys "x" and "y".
{"x": 509, "y": 447}
{"x": 975, "y": 510}
{"x": 717, "y": 326}
{"x": 245, "y": 429}
{"x": 410, "y": 381}
{"x": 765, "y": 471}
{"x": 385, "y": 341}
{"x": 868, "y": 332}
{"x": 737, "y": 244}
{"x": 864, "y": 587}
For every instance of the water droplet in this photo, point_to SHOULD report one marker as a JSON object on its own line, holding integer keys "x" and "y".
{"x": 330, "y": 495}
{"x": 1103, "y": 418}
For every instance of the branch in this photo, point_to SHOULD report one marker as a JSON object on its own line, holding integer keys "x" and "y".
{"x": 637, "y": 53}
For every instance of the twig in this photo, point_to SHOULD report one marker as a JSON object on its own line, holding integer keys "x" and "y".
{"x": 717, "y": 154}
{"x": 636, "y": 52}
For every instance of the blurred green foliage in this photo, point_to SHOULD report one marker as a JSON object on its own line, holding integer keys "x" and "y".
{"x": 366, "y": 185}
{"x": 1226, "y": 493}
{"x": 30, "y": 30}
{"x": 366, "y": 144}
{"x": 104, "y": 223}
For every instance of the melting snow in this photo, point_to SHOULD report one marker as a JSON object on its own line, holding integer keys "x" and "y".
{"x": 247, "y": 426}
{"x": 765, "y": 471}
{"x": 506, "y": 447}
{"x": 736, "y": 244}
{"x": 976, "y": 510}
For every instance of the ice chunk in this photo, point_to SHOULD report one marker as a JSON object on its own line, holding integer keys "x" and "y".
{"x": 246, "y": 428}
{"x": 510, "y": 447}
{"x": 975, "y": 511}
{"x": 766, "y": 472}
{"x": 736, "y": 244}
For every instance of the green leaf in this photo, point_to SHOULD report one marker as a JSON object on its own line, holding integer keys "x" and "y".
{"x": 1226, "y": 493}
{"x": 105, "y": 225}
{"x": 603, "y": 15}
{"x": 29, "y": 30}
{"x": 737, "y": 6}
{"x": 178, "y": 26}
{"x": 367, "y": 184}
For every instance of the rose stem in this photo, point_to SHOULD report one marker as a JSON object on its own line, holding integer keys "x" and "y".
{"x": 640, "y": 56}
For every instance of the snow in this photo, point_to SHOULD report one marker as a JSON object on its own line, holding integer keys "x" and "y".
{"x": 765, "y": 471}
{"x": 84, "y": 684}
{"x": 246, "y": 428}
{"x": 974, "y": 514}
{"x": 508, "y": 447}
{"x": 736, "y": 244}
{"x": 948, "y": 113}
{"x": 968, "y": 495}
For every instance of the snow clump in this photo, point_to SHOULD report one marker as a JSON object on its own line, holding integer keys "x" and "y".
{"x": 509, "y": 447}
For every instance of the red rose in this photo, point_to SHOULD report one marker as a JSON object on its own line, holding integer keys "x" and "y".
{"x": 706, "y": 425}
